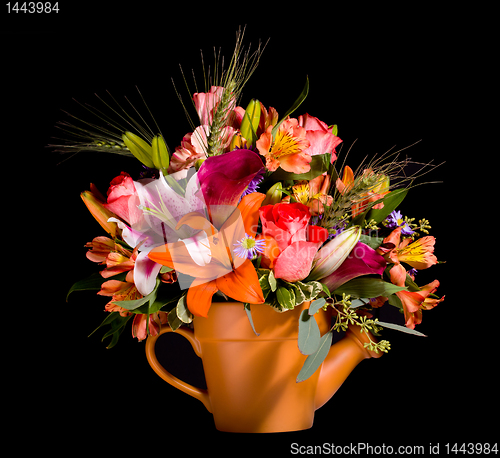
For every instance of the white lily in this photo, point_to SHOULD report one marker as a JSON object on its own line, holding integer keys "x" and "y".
{"x": 331, "y": 256}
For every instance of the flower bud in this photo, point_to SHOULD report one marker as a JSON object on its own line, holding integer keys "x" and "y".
{"x": 273, "y": 196}
{"x": 331, "y": 256}
{"x": 101, "y": 214}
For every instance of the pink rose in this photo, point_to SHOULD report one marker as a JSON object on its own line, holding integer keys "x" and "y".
{"x": 297, "y": 242}
{"x": 120, "y": 193}
{"x": 320, "y": 136}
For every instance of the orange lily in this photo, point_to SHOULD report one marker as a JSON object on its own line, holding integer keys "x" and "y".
{"x": 225, "y": 272}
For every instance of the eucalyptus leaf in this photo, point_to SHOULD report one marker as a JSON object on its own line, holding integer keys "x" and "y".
{"x": 249, "y": 315}
{"x": 313, "y": 361}
{"x": 309, "y": 335}
{"x": 397, "y": 327}
{"x": 368, "y": 287}
{"x": 359, "y": 302}
{"x": 316, "y": 305}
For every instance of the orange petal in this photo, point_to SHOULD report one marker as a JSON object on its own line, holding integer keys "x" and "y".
{"x": 242, "y": 284}
{"x": 348, "y": 176}
{"x": 271, "y": 251}
{"x": 101, "y": 214}
{"x": 177, "y": 257}
{"x": 197, "y": 221}
{"x": 249, "y": 208}
{"x": 199, "y": 297}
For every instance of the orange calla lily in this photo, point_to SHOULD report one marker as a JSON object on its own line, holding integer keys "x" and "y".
{"x": 225, "y": 272}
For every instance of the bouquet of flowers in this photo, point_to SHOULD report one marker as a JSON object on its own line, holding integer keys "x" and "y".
{"x": 252, "y": 207}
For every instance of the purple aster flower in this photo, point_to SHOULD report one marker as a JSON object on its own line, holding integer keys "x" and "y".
{"x": 248, "y": 247}
{"x": 412, "y": 272}
{"x": 254, "y": 184}
{"x": 395, "y": 219}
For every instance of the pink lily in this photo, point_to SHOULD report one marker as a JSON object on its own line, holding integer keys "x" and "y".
{"x": 161, "y": 207}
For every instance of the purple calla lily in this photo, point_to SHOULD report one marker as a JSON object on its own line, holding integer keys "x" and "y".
{"x": 362, "y": 260}
{"x": 224, "y": 178}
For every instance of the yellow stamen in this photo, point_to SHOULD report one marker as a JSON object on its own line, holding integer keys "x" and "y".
{"x": 284, "y": 145}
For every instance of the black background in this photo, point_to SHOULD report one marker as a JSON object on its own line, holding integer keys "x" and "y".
{"x": 384, "y": 80}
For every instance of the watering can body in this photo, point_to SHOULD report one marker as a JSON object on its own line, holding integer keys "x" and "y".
{"x": 251, "y": 379}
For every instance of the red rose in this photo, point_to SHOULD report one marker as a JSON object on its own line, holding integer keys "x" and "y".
{"x": 297, "y": 242}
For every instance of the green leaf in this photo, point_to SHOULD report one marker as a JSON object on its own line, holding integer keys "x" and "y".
{"x": 319, "y": 164}
{"x": 173, "y": 319}
{"x": 272, "y": 281}
{"x": 183, "y": 312}
{"x": 117, "y": 327}
{"x": 391, "y": 202}
{"x": 311, "y": 289}
{"x": 372, "y": 242}
{"x": 397, "y": 327}
{"x": 316, "y": 305}
{"x": 296, "y": 292}
{"x": 412, "y": 286}
{"x": 368, "y": 287}
{"x": 135, "y": 304}
{"x": 249, "y": 315}
{"x": 263, "y": 275}
{"x": 309, "y": 335}
{"x": 110, "y": 317}
{"x": 395, "y": 301}
{"x": 313, "y": 361}
{"x": 326, "y": 290}
{"x": 93, "y": 282}
{"x": 295, "y": 105}
{"x": 284, "y": 298}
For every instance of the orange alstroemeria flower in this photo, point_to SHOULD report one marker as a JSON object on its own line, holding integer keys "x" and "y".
{"x": 234, "y": 276}
{"x": 414, "y": 301}
{"x": 287, "y": 150}
{"x": 120, "y": 291}
{"x": 418, "y": 254}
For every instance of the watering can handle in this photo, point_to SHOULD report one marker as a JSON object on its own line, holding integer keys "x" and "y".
{"x": 193, "y": 391}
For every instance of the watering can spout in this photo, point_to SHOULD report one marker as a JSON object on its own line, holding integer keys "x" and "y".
{"x": 343, "y": 357}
